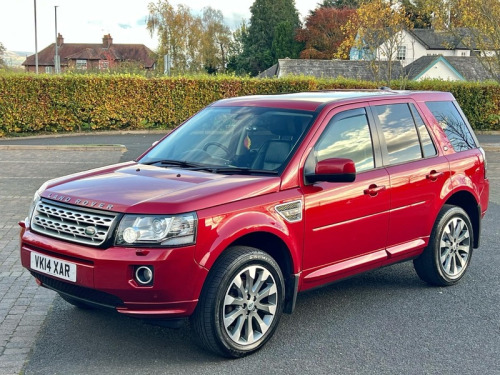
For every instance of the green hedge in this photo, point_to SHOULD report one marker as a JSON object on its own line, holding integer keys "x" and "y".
{"x": 68, "y": 103}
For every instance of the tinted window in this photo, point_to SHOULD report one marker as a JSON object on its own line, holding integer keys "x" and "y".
{"x": 399, "y": 131}
{"x": 453, "y": 125}
{"x": 347, "y": 136}
{"x": 428, "y": 147}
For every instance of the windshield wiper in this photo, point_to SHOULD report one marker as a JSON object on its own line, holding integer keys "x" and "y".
{"x": 241, "y": 170}
{"x": 213, "y": 169}
{"x": 175, "y": 163}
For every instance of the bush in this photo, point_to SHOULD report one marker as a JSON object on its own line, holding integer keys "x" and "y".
{"x": 69, "y": 103}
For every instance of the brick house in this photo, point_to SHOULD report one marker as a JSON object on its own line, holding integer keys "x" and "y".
{"x": 88, "y": 56}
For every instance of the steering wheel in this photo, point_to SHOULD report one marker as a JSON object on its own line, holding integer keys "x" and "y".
{"x": 218, "y": 145}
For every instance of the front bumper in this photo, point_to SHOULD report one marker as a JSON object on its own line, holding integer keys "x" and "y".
{"x": 105, "y": 277}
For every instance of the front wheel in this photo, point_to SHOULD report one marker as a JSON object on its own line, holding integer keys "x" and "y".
{"x": 241, "y": 303}
{"x": 449, "y": 251}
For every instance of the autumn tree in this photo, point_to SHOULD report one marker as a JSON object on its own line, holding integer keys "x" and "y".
{"x": 176, "y": 29}
{"x": 475, "y": 23}
{"x": 216, "y": 41}
{"x": 270, "y": 35}
{"x": 482, "y": 18}
{"x": 323, "y": 33}
{"x": 376, "y": 32}
{"x": 193, "y": 43}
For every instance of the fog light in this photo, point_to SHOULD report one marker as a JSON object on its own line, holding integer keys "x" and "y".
{"x": 144, "y": 275}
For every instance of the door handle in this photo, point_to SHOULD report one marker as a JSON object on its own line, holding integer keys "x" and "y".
{"x": 373, "y": 190}
{"x": 434, "y": 175}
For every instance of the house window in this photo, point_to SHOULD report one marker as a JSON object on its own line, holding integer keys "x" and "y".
{"x": 367, "y": 54}
{"x": 81, "y": 64}
{"x": 401, "y": 53}
{"x": 103, "y": 64}
{"x": 464, "y": 54}
{"x": 48, "y": 69}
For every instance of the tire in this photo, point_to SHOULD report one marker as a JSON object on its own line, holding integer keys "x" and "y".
{"x": 241, "y": 302}
{"x": 448, "y": 254}
{"x": 77, "y": 303}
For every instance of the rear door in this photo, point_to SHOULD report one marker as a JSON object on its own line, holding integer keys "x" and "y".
{"x": 418, "y": 176}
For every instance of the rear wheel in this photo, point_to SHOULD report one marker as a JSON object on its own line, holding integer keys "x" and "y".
{"x": 241, "y": 303}
{"x": 449, "y": 252}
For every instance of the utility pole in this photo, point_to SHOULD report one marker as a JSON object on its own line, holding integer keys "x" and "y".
{"x": 36, "y": 44}
{"x": 57, "y": 66}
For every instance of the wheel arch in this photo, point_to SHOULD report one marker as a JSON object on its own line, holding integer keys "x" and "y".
{"x": 466, "y": 200}
{"x": 276, "y": 247}
{"x": 271, "y": 244}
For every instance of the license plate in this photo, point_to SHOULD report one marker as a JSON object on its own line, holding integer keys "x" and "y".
{"x": 53, "y": 267}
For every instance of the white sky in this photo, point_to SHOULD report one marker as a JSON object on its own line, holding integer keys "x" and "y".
{"x": 86, "y": 21}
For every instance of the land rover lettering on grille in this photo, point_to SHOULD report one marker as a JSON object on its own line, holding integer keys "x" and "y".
{"x": 80, "y": 202}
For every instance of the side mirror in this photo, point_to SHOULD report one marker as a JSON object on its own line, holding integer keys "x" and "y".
{"x": 155, "y": 143}
{"x": 333, "y": 170}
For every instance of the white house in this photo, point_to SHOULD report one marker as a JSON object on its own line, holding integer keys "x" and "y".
{"x": 413, "y": 44}
{"x": 448, "y": 68}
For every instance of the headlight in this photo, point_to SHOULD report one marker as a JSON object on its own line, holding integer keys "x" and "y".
{"x": 36, "y": 199}
{"x": 157, "y": 230}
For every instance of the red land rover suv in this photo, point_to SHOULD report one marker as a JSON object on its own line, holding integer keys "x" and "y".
{"x": 255, "y": 199}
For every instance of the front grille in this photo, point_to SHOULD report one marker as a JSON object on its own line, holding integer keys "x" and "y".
{"x": 79, "y": 292}
{"x": 85, "y": 226}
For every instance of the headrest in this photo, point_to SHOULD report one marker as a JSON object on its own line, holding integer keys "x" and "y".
{"x": 282, "y": 127}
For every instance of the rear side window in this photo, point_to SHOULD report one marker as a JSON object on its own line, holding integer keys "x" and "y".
{"x": 453, "y": 125}
{"x": 400, "y": 132}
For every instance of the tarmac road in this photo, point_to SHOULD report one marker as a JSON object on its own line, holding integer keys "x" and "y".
{"x": 138, "y": 142}
{"x": 383, "y": 322}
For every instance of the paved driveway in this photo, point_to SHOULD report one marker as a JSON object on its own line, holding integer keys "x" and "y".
{"x": 23, "y": 305}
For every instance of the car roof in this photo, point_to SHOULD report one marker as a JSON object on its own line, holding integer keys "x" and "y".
{"x": 311, "y": 101}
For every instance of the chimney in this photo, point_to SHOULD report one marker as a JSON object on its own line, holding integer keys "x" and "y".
{"x": 107, "y": 41}
{"x": 60, "y": 40}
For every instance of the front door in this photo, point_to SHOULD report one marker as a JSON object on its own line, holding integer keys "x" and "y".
{"x": 346, "y": 223}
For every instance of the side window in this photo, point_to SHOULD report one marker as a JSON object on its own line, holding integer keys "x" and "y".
{"x": 347, "y": 136}
{"x": 453, "y": 125}
{"x": 399, "y": 131}
{"x": 428, "y": 148}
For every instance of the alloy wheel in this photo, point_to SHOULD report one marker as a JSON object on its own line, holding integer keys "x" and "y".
{"x": 250, "y": 305}
{"x": 455, "y": 247}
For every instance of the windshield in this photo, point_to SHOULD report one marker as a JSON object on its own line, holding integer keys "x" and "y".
{"x": 225, "y": 139}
